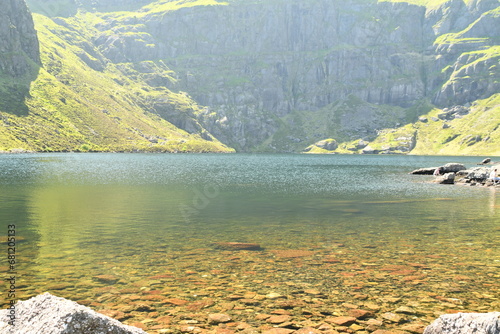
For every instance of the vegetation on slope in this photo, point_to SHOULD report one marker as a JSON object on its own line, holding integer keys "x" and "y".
{"x": 73, "y": 107}
{"x": 104, "y": 86}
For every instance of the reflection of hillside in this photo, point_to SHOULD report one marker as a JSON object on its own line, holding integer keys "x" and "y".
{"x": 94, "y": 219}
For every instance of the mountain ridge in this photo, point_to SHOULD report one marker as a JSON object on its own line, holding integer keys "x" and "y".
{"x": 280, "y": 76}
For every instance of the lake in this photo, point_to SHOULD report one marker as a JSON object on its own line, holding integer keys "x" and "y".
{"x": 142, "y": 238}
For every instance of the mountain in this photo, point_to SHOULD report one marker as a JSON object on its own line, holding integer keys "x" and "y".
{"x": 275, "y": 76}
{"x": 55, "y": 96}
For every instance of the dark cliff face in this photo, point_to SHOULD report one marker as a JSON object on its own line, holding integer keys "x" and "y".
{"x": 19, "y": 48}
{"x": 253, "y": 62}
{"x": 296, "y": 70}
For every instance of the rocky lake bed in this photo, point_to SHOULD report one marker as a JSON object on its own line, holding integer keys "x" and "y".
{"x": 361, "y": 286}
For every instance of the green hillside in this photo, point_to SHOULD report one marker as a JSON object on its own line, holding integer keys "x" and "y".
{"x": 68, "y": 106}
{"x": 271, "y": 76}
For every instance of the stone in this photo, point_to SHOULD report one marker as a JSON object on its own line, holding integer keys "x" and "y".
{"x": 218, "y": 318}
{"x": 448, "y": 178}
{"x": 274, "y": 295}
{"x": 413, "y": 328}
{"x": 238, "y": 246}
{"x": 392, "y": 317}
{"x": 49, "y": 314}
{"x": 341, "y": 321}
{"x": 292, "y": 253}
{"x": 278, "y": 319}
{"x": 452, "y": 167}
{"x": 307, "y": 330}
{"x": 327, "y": 144}
{"x": 466, "y": 323}
{"x": 108, "y": 279}
{"x": 405, "y": 310}
{"x": 278, "y": 331}
{"x": 479, "y": 174}
{"x": 360, "y": 314}
{"x": 424, "y": 171}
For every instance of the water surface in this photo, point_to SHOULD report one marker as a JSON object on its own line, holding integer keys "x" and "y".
{"x": 100, "y": 228}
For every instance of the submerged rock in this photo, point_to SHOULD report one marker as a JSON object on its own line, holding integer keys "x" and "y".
{"x": 238, "y": 246}
{"x": 49, "y": 314}
{"x": 466, "y": 323}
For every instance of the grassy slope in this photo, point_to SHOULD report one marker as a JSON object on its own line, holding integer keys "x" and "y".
{"x": 475, "y": 134}
{"x": 73, "y": 107}
{"x": 124, "y": 124}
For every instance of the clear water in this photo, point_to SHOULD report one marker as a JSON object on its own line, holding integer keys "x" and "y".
{"x": 135, "y": 216}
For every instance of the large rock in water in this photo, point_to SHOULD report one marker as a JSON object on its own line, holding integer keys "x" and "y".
{"x": 448, "y": 178}
{"x": 452, "y": 167}
{"x": 49, "y": 314}
{"x": 466, "y": 323}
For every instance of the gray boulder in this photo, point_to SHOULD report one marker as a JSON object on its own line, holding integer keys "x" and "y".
{"x": 448, "y": 178}
{"x": 424, "y": 171}
{"x": 466, "y": 323}
{"x": 479, "y": 174}
{"x": 327, "y": 144}
{"x": 49, "y": 314}
{"x": 452, "y": 167}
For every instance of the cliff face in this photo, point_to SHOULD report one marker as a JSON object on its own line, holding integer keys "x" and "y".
{"x": 68, "y": 97}
{"x": 19, "y": 47}
{"x": 259, "y": 66}
{"x": 253, "y": 63}
{"x": 281, "y": 75}
{"x": 466, "y": 50}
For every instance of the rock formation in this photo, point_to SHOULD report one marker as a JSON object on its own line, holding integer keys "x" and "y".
{"x": 283, "y": 75}
{"x": 466, "y": 323}
{"x": 18, "y": 40}
{"x": 48, "y": 314}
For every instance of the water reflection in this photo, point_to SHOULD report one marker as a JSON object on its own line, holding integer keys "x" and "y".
{"x": 98, "y": 225}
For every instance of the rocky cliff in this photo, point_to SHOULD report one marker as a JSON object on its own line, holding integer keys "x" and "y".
{"x": 67, "y": 97}
{"x": 281, "y": 75}
{"x": 19, "y": 49}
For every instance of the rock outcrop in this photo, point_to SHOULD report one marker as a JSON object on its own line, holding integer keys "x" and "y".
{"x": 466, "y": 323}
{"x": 48, "y": 314}
{"x": 283, "y": 75}
{"x": 19, "y": 48}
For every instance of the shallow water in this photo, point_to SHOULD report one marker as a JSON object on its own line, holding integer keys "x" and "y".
{"x": 110, "y": 230}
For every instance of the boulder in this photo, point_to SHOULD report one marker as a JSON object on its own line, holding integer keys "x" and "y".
{"x": 485, "y": 161}
{"x": 327, "y": 144}
{"x": 479, "y": 174}
{"x": 424, "y": 171}
{"x": 466, "y": 323}
{"x": 369, "y": 150}
{"x": 452, "y": 167}
{"x": 448, "y": 178}
{"x": 49, "y": 314}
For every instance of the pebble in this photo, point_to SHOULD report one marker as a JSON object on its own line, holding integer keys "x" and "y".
{"x": 307, "y": 330}
{"x": 274, "y": 295}
{"x": 218, "y": 318}
{"x": 278, "y": 319}
{"x": 360, "y": 314}
{"x": 405, "y": 310}
{"x": 341, "y": 321}
{"x": 392, "y": 317}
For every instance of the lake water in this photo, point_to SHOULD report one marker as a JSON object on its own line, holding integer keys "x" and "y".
{"x": 117, "y": 231}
